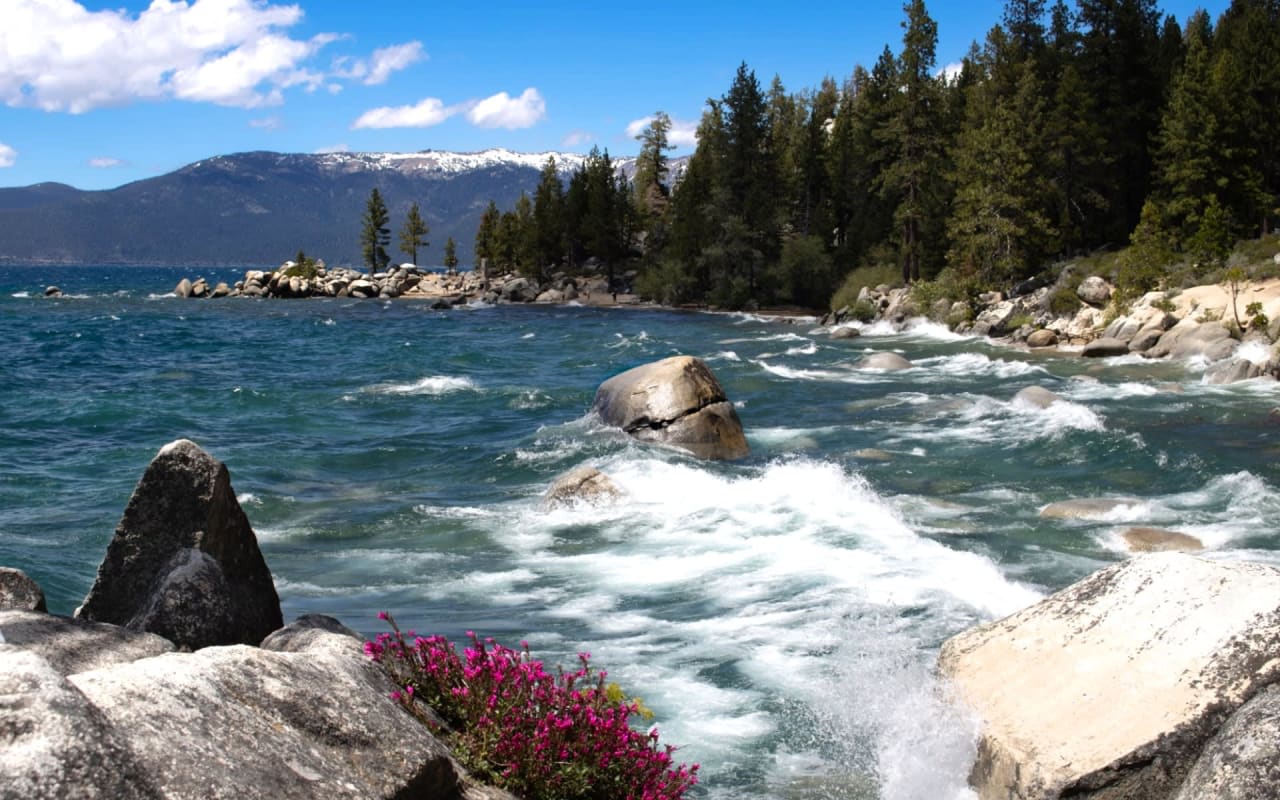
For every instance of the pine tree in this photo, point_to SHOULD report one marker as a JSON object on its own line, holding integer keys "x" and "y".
{"x": 547, "y": 235}
{"x": 375, "y": 235}
{"x": 651, "y": 168}
{"x": 414, "y": 234}
{"x": 486, "y": 245}
{"x": 450, "y": 255}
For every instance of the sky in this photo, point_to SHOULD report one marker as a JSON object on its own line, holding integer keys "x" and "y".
{"x": 98, "y": 94}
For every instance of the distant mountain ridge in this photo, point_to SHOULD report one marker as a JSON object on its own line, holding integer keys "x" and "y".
{"x": 260, "y": 208}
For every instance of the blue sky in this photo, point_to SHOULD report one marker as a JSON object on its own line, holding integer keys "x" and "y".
{"x": 97, "y": 94}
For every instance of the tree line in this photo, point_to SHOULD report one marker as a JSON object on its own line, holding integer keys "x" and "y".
{"x": 375, "y": 235}
{"x": 1066, "y": 130}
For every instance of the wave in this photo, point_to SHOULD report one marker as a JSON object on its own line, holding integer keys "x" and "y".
{"x": 974, "y": 364}
{"x": 431, "y": 385}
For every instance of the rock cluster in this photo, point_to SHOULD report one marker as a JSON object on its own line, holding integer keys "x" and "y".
{"x": 92, "y": 709}
{"x": 676, "y": 401}
{"x": 444, "y": 289}
{"x": 1133, "y": 683}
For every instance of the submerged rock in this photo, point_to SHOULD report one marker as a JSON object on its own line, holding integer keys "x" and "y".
{"x": 845, "y": 332}
{"x": 582, "y": 485}
{"x": 1155, "y": 540}
{"x": 184, "y": 562}
{"x": 17, "y": 591}
{"x": 885, "y": 361}
{"x": 1087, "y": 507}
{"x": 675, "y": 401}
{"x": 1110, "y": 688}
{"x": 1036, "y": 396}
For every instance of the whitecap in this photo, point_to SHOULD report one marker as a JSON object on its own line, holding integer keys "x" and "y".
{"x": 1254, "y": 352}
{"x": 431, "y": 385}
{"x": 21, "y": 295}
{"x": 972, "y": 364}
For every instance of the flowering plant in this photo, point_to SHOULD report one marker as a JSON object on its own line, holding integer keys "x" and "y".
{"x": 516, "y": 726}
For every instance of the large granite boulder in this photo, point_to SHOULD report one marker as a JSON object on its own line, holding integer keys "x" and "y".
{"x": 77, "y": 645}
{"x": 1036, "y": 397}
{"x": 313, "y": 722}
{"x": 1243, "y": 760}
{"x": 17, "y": 590}
{"x": 1094, "y": 290}
{"x": 54, "y": 743}
{"x": 676, "y": 401}
{"x": 890, "y": 362}
{"x": 1189, "y": 338}
{"x": 1105, "y": 347}
{"x": 184, "y": 562}
{"x": 1111, "y": 687}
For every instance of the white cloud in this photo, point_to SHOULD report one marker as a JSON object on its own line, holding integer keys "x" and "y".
{"x": 387, "y": 60}
{"x": 271, "y": 123}
{"x": 503, "y": 111}
{"x": 681, "y": 134}
{"x": 7, "y": 155}
{"x": 57, "y": 55}
{"x": 105, "y": 162}
{"x": 430, "y": 111}
{"x": 950, "y": 72}
{"x": 576, "y": 138}
{"x": 333, "y": 148}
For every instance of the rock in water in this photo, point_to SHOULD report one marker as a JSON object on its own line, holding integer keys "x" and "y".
{"x": 1158, "y": 540}
{"x": 1036, "y": 396}
{"x": 1105, "y": 348}
{"x": 184, "y": 562}
{"x": 675, "y": 401}
{"x": 885, "y": 361}
{"x": 583, "y": 485}
{"x": 19, "y": 591}
{"x": 1111, "y": 687}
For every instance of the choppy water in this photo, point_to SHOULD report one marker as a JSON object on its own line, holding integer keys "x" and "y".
{"x": 780, "y": 615}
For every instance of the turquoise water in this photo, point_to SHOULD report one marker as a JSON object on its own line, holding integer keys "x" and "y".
{"x": 780, "y": 615}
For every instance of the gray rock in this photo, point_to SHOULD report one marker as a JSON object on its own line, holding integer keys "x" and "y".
{"x": 200, "y": 288}
{"x": 1086, "y": 507}
{"x": 1158, "y": 540}
{"x": 18, "y": 591}
{"x": 885, "y": 361}
{"x": 52, "y": 291}
{"x": 1094, "y": 290}
{"x": 1190, "y": 338}
{"x": 304, "y": 631}
{"x": 845, "y": 332}
{"x": 873, "y": 454}
{"x": 221, "y": 290}
{"x": 1042, "y": 338}
{"x": 1145, "y": 340}
{"x": 54, "y": 744}
{"x": 182, "y": 539}
{"x": 1232, "y": 371}
{"x": 675, "y": 401}
{"x": 550, "y": 296}
{"x": 1111, "y": 687}
{"x": 313, "y": 723}
{"x": 940, "y": 310}
{"x": 1242, "y": 762}
{"x": 77, "y": 645}
{"x": 183, "y": 289}
{"x": 584, "y": 485}
{"x": 1105, "y": 348}
{"x": 362, "y": 288}
{"x": 1037, "y": 396}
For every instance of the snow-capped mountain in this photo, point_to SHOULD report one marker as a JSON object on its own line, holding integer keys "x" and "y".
{"x": 261, "y": 208}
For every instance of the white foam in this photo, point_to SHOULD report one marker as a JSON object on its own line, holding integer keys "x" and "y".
{"x": 430, "y": 385}
{"x": 1254, "y": 352}
{"x": 21, "y": 295}
{"x": 973, "y": 364}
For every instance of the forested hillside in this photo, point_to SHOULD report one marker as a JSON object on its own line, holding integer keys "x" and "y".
{"x": 1068, "y": 130}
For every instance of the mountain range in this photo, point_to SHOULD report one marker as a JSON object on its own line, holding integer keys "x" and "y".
{"x": 260, "y": 208}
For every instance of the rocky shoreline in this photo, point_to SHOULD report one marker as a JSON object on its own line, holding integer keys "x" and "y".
{"x": 1196, "y": 323}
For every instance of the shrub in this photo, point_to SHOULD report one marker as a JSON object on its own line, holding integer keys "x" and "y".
{"x": 514, "y": 725}
{"x": 1257, "y": 319}
{"x": 862, "y": 311}
{"x": 1064, "y": 302}
{"x": 871, "y": 275}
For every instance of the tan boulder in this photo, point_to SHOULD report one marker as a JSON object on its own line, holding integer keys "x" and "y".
{"x": 1042, "y": 338}
{"x": 584, "y": 485}
{"x": 1110, "y": 687}
{"x": 1157, "y": 540}
{"x": 676, "y": 401}
{"x": 885, "y": 361}
{"x": 1086, "y": 507}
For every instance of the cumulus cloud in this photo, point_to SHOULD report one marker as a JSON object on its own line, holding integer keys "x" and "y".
{"x": 7, "y": 155}
{"x": 950, "y": 72}
{"x": 503, "y": 111}
{"x": 430, "y": 111}
{"x": 105, "y": 162}
{"x": 681, "y": 134}
{"x": 57, "y": 55}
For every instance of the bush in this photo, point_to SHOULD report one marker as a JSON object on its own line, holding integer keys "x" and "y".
{"x": 870, "y": 276}
{"x": 1064, "y": 302}
{"x": 862, "y": 311}
{"x": 513, "y": 725}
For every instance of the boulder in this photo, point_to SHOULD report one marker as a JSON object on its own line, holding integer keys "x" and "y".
{"x": 872, "y": 454}
{"x": 1042, "y": 338}
{"x": 1190, "y": 338}
{"x": 1242, "y": 762}
{"x": 183, "y": 289}
{"x": 1232, "y": 371}
{"x": 17, "y": 591}
{"x": 885, "y": 361}
{"x": 200, "y": 288}
{"x": 675, "y": 401}
{"x": 1094, "y": 290}
{"x": 304, "y": 631}
{"x": 1087, "y": 507}
{"x": 845, "y": 332}
{"x": 52, "y": 291}
{"x": 77, "y": 645}
{"x": 1110, "y": 687}
{"x": 54, "y": 743}
{"x": 1145, "y": 339}
{"x": 315, "y": 722}
{"x": 221, "y": 290}
{"x": 1156, "y": 540}
{"x": 550, "y": 296}
{"x": 362, "y": 288}
{"x": 184, "y": 562}
{"x": 1035, "y": 396}
{"x": 582, "y": 486}
{"x": 1105, "y": 348}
